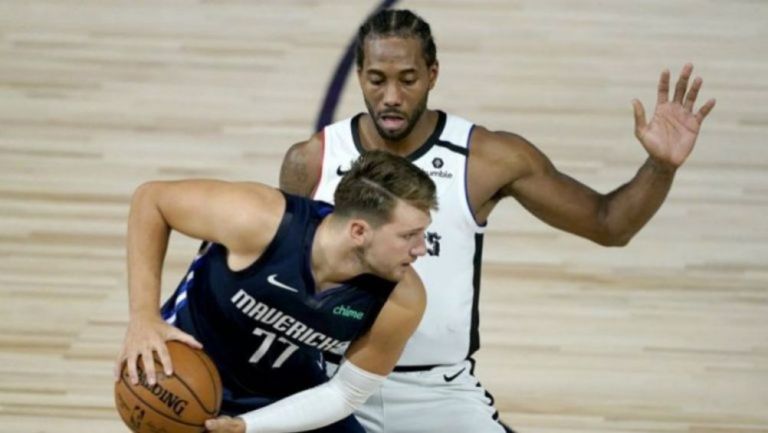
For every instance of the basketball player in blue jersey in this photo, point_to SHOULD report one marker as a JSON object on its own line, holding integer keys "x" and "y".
{"x": 280, "y": 281}
{"x": 432, "y": 388}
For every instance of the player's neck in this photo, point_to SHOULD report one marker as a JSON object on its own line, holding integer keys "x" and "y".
{"x": 333, "y": 258}
{"x": 372, "y": 140}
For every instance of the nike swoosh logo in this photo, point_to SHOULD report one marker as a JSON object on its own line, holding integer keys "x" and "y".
{"x": 451, "y": 378}
{"x": 341, "y": 172}
{"x": 272, "y": 280}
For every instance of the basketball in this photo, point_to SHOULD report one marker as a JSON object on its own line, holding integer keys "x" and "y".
{"x": 179, "y": 403}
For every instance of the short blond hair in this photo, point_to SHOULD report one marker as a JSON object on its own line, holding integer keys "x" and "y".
{"x": 376, "y": 180}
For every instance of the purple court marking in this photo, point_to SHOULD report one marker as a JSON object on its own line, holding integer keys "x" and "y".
{"x": 333, "y": 94}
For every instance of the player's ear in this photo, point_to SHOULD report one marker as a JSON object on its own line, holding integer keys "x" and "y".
{"x": 433, "y": 73}
{"x": 359, "y": 231}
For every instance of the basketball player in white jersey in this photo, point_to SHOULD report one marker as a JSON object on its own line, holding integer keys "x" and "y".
{"x": 432, "y": 388}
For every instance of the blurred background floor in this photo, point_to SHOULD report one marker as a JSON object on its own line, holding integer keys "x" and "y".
{"x": 669, "y": 334}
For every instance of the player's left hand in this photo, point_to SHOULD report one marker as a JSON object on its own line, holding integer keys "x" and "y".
{"x": 670, "y": 135}
{"x": 225, "y": 424}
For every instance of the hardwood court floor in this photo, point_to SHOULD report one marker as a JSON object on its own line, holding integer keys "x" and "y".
{"x": 669, "y": 334}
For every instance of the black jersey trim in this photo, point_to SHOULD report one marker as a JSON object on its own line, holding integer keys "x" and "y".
{"x": 489, "y": 396}
{"x": 334, "y": 358}
{"x": 355, "y": 123}
{"x": 466, "y": 181}
{"x": 474, "y": 336}
{"x": 432, "y": 140}
{"x": 452, "y": 147}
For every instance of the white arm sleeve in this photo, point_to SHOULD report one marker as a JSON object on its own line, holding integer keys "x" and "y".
{"x": 318, "y": 406}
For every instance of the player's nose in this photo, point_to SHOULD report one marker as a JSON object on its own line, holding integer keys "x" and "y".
{"x": 393, "y": 95}
{"x": 420, "y": 249}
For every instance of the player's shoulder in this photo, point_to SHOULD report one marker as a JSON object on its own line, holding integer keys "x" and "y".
{"x": 488, "y": 139}
{"x": 499, "y": 146}
{"x": 306, "y": 207}
{"x": 246, "y": 214}
{"x": 305, "y": 151}
{"x": 300, "y": 170}
{"x": 410, "y": 293}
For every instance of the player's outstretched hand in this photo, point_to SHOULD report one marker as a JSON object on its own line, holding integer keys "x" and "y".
{"x": 145, "y": 337}
{"x": 225, "y": 424}
{"x": 670, "y": 135}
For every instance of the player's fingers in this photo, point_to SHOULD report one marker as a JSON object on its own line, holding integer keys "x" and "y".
{"x": 165, "y": 359}
{"x": 663, "y": 91}
{"x": 148, "y": 360}
{"x": 704, "y": 110}
{"x": 211, "y": 425}
{"x": 187, "y": 339}
{"x": 131, "y": 363}
{"x": 690, "y": 98}
{"x": 218, "y": 424}
{"x": 639, "y": 116}
{"x": 682, "y": 83}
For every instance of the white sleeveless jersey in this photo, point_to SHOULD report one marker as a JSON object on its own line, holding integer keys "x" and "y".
{"x": 448, "y": 332}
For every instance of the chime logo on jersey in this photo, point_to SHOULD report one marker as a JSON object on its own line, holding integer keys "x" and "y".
{"x": 282, "y": 322}
{"x": 345, "y": 311}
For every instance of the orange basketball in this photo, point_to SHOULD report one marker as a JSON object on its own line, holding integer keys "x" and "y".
{"x": 179, "y": 403}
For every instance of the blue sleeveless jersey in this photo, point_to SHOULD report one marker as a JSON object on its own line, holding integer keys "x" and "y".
{"x": 265, "y": 326}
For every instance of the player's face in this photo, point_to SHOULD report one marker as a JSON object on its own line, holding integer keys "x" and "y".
{"x": 395, "y": 245}
{"x": 396, "y": 81}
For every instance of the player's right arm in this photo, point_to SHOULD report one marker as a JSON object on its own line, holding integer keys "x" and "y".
{"x": 300, "y": 171}
{"x": 368, "y": 360}
{"x": 241, "y": 216}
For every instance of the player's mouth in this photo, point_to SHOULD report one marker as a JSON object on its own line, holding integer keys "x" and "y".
{"x": 392, "y": 121}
